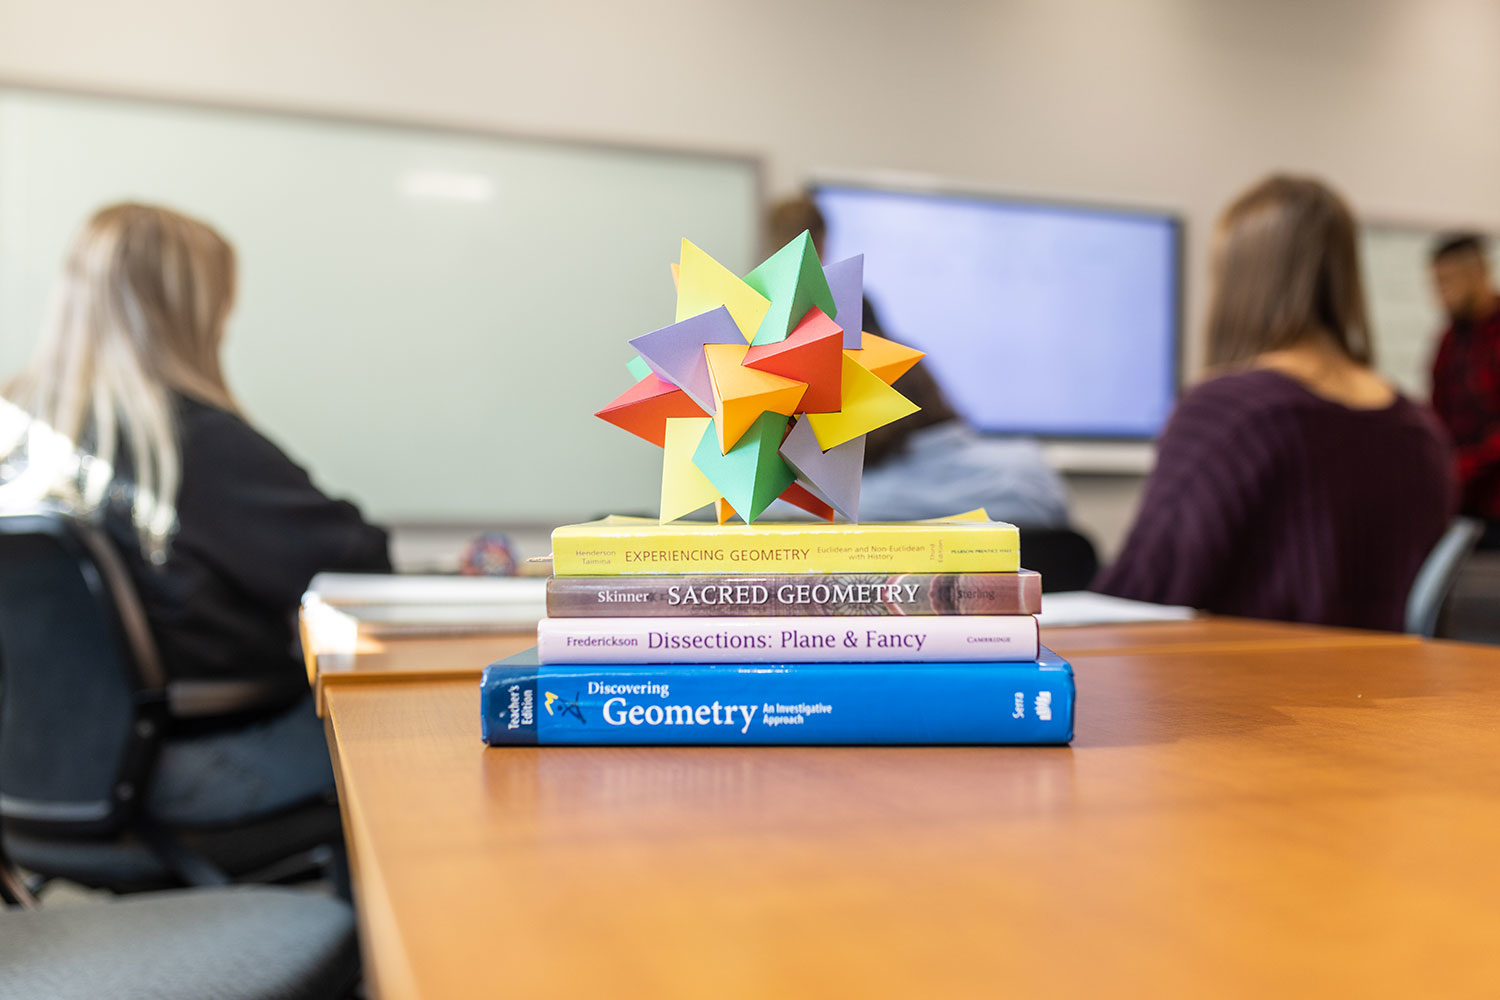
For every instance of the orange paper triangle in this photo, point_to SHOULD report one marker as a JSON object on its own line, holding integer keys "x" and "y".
{"x": 885, "y": 359}
{"x": 742, "y": 394}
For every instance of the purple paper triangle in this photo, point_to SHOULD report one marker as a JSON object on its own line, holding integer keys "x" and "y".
{"x": 833, "y": 476}
{"x": 675, "y": 353}
{"x": 846, "y": 279}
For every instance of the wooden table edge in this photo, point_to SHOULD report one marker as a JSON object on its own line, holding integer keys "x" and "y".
{"x": 323, "y": 682}
{"x": 384, "y": 963}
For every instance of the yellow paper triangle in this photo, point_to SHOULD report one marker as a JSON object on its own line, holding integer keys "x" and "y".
{"x": 885, "y": 359}
{"x": 868, "y": 403}
{"x": 676, "y": 274}
{"x": 704, "y": 284}
{"x": 742, "y": 394}
{"x": 684, "y": 487}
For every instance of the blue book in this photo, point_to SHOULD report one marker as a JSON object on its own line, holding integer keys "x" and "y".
{"x": 523, "y": 702}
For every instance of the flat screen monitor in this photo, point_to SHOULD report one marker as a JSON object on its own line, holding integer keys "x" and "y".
{"x": 1039, "y": 318}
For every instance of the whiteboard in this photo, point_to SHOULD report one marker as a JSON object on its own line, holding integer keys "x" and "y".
{"x": 427, "y": 319}
{"x": 1405, "y": 316}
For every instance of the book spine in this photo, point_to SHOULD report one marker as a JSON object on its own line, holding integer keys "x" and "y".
{"x": 855, "y": 548}
{"x": 786, "y": 640}
{"x": 807, "y": 594}
{"x": 819, "y": 703}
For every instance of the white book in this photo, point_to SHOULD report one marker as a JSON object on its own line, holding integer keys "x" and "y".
{"x": 852, "y": 639}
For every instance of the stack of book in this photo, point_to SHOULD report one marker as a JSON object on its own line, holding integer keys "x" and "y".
{"x": 793, "y": 633}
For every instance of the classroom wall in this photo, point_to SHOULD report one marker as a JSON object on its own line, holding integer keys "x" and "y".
{"x": 1159, "y": 102}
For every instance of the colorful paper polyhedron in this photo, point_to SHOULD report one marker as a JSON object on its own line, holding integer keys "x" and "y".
{"x": 764, "y": 387}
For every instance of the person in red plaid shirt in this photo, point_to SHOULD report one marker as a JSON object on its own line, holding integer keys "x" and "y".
{"x": 1466, "y": 374}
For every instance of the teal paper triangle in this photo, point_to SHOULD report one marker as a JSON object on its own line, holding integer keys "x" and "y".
{"x": 752, "y": 474}
{"x": 793, "y": 281}
{"x": 638, "y": 367}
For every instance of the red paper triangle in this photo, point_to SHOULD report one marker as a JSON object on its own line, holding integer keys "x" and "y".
{"x": 811, "y": 353}
{"x": 798, "y": 496}
{"x": 644, "y": 408}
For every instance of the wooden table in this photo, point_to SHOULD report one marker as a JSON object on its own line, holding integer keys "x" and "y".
{"x": 1249, "y": 809}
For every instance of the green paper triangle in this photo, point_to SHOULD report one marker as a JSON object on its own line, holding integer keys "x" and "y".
{"x": 638, "y": 367}
{"x": 793, "y": 281}
{"x": 752, "y": 474}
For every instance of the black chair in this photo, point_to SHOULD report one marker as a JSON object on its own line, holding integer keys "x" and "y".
{"x": 237, "y": 943}
{"x": 1434, "y": 582}
{"x": 84, "y": 705}
{"x": 1065, "y": 558}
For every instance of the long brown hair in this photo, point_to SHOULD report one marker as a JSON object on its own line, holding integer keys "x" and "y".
{"x": 1286, "y": 269}
{"x": 137, "y": 314}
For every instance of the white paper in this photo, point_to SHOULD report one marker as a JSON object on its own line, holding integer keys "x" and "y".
{"x": 396, "y": 588}
{"x": 389, "y": 604}
{"x": 1084, "y": 607}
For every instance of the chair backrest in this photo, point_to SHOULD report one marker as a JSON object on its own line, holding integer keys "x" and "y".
{"x": 82, "y": 693}
{"x": 1065, "y": 558}
{"x": 1435, "y": 579}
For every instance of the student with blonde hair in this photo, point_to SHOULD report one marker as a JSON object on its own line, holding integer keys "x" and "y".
{"x": 1296, "y": 484}
{"x": 124, "y": 416}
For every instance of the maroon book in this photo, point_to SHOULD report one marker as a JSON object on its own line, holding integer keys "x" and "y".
{"x": 696, "y": 596}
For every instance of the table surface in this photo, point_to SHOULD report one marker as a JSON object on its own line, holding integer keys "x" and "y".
{"x": 1248, "y": 809}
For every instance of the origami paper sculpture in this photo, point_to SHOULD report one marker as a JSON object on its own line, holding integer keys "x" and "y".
{"x": 764, "y": 387}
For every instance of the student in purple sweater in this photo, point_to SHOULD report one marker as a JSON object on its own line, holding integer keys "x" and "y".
{"x": 1296, "y": 484}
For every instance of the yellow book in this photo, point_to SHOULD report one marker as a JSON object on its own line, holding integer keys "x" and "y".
{"x": 640, "y": 546}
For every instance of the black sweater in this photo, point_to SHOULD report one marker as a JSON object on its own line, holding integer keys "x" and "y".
{"x": 252, "y": 530}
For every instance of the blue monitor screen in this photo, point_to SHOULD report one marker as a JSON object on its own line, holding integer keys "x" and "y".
{"x": 1046, "y": 319}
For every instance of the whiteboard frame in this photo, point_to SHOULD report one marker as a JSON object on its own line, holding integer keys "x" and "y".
{"x": 438, "y": 126}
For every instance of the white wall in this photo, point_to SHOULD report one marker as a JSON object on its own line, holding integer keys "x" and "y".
{"x": 1163, "y": 102}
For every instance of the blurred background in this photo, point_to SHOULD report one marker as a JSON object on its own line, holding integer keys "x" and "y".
{"x": 452, "y": 216}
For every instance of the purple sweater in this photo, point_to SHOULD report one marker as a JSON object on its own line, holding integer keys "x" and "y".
{"x": 1271, "y": 502}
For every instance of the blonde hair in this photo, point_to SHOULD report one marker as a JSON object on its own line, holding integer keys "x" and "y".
{"x": 137, "y": 314}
